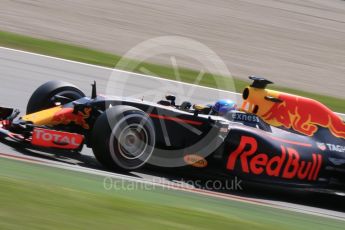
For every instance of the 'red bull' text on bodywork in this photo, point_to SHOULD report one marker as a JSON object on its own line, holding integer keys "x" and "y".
{"x": 286, "y": 165}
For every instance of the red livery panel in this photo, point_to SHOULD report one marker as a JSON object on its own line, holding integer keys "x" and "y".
{"x": 56, "y": 139}
{"x": 287, "y": 164}
{"x": 304, "y": 115}
{"x": 66, "y": 116}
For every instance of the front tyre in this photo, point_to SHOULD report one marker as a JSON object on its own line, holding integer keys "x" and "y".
{"x": 123, "y": 138}
{"x": 43, "y": 97}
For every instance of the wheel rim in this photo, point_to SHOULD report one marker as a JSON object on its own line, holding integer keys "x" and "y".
{"x": 132, "y": 142}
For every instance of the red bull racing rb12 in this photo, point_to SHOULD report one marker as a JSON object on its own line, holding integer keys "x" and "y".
{"x": 274, "y": 138}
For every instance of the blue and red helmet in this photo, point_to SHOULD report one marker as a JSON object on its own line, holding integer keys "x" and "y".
{"x": 224, "y": 106}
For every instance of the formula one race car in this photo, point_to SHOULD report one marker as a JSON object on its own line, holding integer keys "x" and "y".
{"x": 275, "y": 138}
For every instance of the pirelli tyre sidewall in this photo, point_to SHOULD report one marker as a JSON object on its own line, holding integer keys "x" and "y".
{"x": 42, "y": 98}
{"x": 123, "y": 138}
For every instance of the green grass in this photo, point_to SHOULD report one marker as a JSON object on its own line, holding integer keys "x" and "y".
{"x": 90, "y": 56}
{"x": 40, "y": 197}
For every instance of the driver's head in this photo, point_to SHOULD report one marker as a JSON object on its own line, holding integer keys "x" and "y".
{"x": 222, "y": 107}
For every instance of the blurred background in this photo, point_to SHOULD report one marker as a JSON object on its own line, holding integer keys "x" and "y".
{"x": 296, "y": 44}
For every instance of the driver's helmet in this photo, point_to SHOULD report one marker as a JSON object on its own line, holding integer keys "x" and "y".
{"x": 224, "y": 106}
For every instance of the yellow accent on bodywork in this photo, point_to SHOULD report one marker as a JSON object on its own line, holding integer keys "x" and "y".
{"x": 257, "y": 98}
{"x": 44, "y": 117}
{"x": 199, "y": 107}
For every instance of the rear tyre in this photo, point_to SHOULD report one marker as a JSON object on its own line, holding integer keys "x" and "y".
{"x": 43, "y": 97}
{"x": 123, "y": 138}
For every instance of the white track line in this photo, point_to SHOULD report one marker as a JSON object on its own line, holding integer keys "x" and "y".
{"x": 127, "y": 72}
{"x": 118, "y": 70}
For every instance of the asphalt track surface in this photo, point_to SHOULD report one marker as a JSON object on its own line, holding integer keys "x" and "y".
{"x": 22, "y": 72}
{"x": 299, "y": 44}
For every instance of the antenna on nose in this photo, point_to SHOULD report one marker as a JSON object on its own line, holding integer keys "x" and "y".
{"x": 259, "y": 82}
{"x": 94, "y": 90}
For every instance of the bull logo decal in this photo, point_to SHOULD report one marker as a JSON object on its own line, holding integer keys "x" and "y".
{"x": 66, "y": 116}
{"x": 300, "y": 114}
